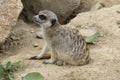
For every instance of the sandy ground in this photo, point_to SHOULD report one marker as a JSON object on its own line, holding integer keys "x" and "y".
{"x": 105, "y": 63}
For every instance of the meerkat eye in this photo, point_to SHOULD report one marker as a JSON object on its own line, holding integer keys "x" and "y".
{"x": 42, "y": 17}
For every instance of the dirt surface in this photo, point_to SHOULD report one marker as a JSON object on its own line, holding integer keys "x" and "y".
{"x": 105, "y": 63}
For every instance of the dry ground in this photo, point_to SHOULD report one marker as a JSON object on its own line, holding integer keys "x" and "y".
{"x": 105, "y": 64}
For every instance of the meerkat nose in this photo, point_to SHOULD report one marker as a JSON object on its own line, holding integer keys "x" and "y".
{"x": 34, "y": 18}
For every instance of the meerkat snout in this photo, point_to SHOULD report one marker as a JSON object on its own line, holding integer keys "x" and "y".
{"x": 39, "y": 19}
{"x": 34, "y": 18}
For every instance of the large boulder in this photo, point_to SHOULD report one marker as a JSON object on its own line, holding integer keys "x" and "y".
{"x": 86, "y": 5}
{"x": 9, "y": 12}
{"x": 63, "y": 8}
{"x": 106, "y": 18}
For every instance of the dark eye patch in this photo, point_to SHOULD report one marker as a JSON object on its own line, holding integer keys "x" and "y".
{"x": 42, "y": 17}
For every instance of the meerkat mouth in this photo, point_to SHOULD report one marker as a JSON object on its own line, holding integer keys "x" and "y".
{"x": 36, "y": 22}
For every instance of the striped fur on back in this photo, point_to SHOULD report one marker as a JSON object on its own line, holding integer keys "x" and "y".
{"x": 69, "y": 45}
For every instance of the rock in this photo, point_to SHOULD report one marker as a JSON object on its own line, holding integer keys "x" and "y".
{"x": 104, "y": 19}
{"x": 20, "y": 38}
{"x": 9, "y": 12}
{"x": 118, "y": 11}
{"x": 86, "y": 5}
{"x": 63, "y": 8}
{"x": 87, "y": 32}
{"x": 97, "y": 6}
{"x": 35, "y": 45}
{"x": 118, "y": 22}
{"x": 13, "y": 37}
{"x": 32, "y": 31}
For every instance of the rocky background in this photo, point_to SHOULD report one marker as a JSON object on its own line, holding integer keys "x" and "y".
{"x": 18, "y": 39}
{"x": 9, "y": 12}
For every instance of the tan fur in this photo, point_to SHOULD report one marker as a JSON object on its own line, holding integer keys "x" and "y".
{"x": 65, "y": 44}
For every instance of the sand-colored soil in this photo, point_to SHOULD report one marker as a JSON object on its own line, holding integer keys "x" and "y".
{"x": 105, "y": 63}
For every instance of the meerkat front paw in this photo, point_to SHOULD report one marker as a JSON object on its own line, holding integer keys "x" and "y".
{"x": 49, "y": 62}
{"x": 39, "y": 58}
{"x": 35, "y": 58}
{"x": 47, "y": 56}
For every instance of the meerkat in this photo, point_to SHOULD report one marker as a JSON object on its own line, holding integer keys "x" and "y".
{"x": 65, "y": 44}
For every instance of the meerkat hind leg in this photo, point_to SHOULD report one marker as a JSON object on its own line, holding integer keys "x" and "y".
{"x": 60, "y": 63}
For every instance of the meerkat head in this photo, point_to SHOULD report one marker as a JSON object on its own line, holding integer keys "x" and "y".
{"x": 46, "y": 18}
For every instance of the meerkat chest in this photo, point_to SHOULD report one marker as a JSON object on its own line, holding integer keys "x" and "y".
{"x": 48, "y": 33}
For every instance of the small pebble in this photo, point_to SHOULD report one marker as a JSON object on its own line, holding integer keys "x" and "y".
{"x": 118, "y": 11}
{"x": 35, "y": 45}
{"x": 15, "y": 38}
{"x": 118, "y": 22}
{"x": 32, "y": 31}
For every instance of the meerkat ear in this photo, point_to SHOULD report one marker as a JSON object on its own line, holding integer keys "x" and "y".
{"x": 53, "y": 21}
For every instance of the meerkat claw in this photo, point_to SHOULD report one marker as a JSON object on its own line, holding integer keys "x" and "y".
{"x": 35, "y": 58}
